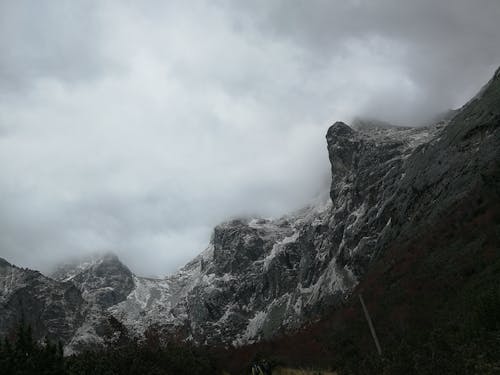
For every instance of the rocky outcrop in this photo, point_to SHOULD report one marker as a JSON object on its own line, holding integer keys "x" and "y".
{"x": 368, "y": 166}
{"x": 103, "y": 281}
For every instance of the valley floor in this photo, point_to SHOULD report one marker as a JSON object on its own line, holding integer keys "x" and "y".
{"x": 291, "y": 371}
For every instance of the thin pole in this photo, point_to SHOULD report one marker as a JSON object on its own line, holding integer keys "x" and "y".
{"x": 370, "y": 324}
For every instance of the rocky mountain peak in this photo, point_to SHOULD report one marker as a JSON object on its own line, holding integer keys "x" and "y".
{"x": 339, "y": 130}
{"x": 109, "y": 265}
{"x": 343, "y": 145}
{"x": 497, "y": 74}
{"x": 4, "y": 263}
{"x": 102, "y": 278}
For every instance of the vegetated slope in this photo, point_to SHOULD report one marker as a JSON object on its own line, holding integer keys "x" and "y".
{"x": 433, "y": 286}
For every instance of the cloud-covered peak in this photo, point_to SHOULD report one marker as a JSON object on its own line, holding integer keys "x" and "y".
{"x": 135, "y": 128}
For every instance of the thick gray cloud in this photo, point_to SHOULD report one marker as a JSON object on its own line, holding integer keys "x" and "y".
{"x": 135, "y": 127}
{"x": 42, "y": 41}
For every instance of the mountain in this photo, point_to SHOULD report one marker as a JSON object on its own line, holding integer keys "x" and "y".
{"x": 262, "y": 278}
{"x": 431, "y": 281}
{"x": 54, "y": 309}
{"x": 103, "y": 281}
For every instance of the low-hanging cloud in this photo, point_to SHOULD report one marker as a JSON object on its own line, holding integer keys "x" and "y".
{"x": 136, "y": 127}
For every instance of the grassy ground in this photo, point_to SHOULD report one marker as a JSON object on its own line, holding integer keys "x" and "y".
{"x": 291, "y": 371}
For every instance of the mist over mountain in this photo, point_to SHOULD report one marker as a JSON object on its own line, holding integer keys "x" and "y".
{"x": 260, "y": 278}
{"x": 270, "y": 187}
{"x": 136, "y": 128}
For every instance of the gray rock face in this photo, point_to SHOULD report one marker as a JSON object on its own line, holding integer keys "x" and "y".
{"x": 104, "y": 282}
{"x": 52, "y": 308}
{"x": 262, "y": 277}
{"x": 367, "y": 168}
{"x": 71, "y": 307}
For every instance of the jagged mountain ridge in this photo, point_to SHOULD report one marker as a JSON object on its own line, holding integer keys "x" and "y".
{"x": 262, "y": 277}
{"x": 257, "y": 278}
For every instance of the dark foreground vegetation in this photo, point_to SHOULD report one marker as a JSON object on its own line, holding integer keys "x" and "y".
{"x": 467, "y": 343}
{"x": 22, "y": 355}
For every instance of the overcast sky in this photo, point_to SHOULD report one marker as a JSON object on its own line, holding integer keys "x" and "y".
{"x": 136, "y": 126}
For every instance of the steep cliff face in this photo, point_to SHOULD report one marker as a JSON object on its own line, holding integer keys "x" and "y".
{"x": 368, "y": 166}
{"x": 262, "y": 277}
